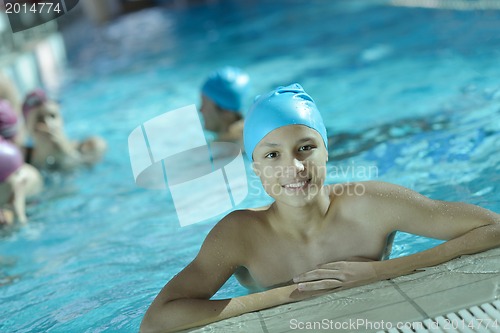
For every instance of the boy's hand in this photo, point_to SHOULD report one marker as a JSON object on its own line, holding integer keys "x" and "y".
{"x": 337, "y": 275}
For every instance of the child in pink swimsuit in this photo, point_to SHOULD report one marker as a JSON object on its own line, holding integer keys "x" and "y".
{"x": 18, "y": 181}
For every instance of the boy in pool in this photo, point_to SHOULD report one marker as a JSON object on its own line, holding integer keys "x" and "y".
{"x": 313, "y": 238}
{"x": 222, "y": 96}
{"x": 52, "y": 149}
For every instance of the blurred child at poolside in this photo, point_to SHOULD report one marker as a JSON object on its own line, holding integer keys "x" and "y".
{"x": 222, "y": 96}
{"x": 18, "y": 181}
{"x": 51, "y": 148}
{"x": 9, "y": 121}
{"x": 9, "y": 92}
{"x": 313, "y": 238}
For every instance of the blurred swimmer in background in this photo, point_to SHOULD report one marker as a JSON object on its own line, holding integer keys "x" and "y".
{"x": 9, "y": 121}
{"x": 18, "y": 181}
{"x": 9, "y": 93}
{"x": 51, "y": 147}
{"x": 222, "y": 98}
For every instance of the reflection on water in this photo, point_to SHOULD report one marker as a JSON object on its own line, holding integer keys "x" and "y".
{"x": 5, "y": 278}
{"x": 348, "y": 144}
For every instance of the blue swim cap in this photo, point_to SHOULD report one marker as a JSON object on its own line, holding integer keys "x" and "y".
{"x": 227, "y": 87}
{"x": 283, "y": 106}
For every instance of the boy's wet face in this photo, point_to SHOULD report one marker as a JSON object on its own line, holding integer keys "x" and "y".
{"x": 43, "y": 119}
{"x": 291, "y": 163}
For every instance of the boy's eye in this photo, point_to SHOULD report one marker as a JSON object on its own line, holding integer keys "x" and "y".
{"x": 306, "y": 147}
{"x": 271, "y": 155}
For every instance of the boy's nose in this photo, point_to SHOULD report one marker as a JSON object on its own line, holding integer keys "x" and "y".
{"x": 299, "y": 165}
{"x": 294, "y": 168}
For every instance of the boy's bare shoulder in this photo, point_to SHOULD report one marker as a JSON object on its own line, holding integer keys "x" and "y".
{"x": 239, "y": 222}
{"x": 369, "y": 201}
{"x": 365, "y": 190}
{"x": 234, "y": 234}
{"x": 242, "y": 218}
{"x": 362, "y": 197}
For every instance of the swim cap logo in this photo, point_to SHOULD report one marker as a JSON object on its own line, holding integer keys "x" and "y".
{"x": 170, "y": 151}
{"x": 26, "y": 14}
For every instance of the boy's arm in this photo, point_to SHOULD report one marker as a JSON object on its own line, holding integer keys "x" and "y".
{"x": 185, "y": 301}
{"x": 467, "y": 228}
{"x": 474, "y": 241}
{"x": 186, "y": 313}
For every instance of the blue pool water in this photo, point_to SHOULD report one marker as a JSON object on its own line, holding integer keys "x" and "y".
{"x": 414, "y": 92}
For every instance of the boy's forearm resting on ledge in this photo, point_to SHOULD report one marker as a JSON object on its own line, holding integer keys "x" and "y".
{"x": 477, "y": 240}
{"x": 187, "y": 313}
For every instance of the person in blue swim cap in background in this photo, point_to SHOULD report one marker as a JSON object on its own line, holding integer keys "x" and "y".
{"x": 222, "y": 98}
{"x": 313, "y": 238}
